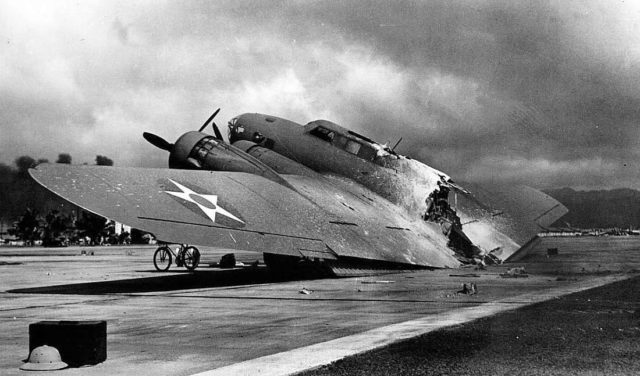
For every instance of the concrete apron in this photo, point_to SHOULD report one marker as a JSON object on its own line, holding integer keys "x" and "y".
{"x": 314, "y": 356}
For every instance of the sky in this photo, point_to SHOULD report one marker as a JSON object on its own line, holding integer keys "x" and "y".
{"x": 543, "y": 93}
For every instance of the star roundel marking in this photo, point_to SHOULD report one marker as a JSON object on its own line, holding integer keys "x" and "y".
{"x": 207, "y": 203}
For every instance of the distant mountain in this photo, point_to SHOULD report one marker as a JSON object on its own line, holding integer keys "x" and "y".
{"x": 601, "y": 209}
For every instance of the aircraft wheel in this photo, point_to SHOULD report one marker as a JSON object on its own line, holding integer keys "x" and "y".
{"x": 191, "y": 257}
{"x": 162, "y": 259}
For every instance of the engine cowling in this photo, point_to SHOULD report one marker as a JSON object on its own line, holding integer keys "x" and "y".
{"x": 196, "y": 150}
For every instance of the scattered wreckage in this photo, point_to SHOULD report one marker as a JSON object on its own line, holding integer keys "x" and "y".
{"x": 518, "y": 272}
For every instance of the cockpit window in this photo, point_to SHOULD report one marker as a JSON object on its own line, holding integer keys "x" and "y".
{"x": 363, "y": 151}
{"x": 323, "y": 133}
{"x": 367, "y": 152}
{"x": 345, "y": 143}
{"x": 352, "y": 146}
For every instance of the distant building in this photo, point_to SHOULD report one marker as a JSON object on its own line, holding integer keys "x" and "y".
{"x": 560, "y": 233}
{"x": 121, "y": 227}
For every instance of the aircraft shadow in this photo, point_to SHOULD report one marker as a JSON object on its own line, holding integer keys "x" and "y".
{"x": 194, "y": 280}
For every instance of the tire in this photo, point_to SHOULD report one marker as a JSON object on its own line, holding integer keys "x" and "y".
{"x": 191, "y": 257}
{"x": 162, "y": 259}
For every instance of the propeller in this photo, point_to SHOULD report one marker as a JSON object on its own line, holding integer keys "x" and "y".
{"x": 216, "y": 131}
{"x": 163, "y": 144}
{"x": 158, "y": 141}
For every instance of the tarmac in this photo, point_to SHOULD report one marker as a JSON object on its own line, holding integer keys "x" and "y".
{"x": 246, "y": 321}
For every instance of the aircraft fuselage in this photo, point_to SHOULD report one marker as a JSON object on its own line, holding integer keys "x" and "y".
{"x": 330, "y": 149}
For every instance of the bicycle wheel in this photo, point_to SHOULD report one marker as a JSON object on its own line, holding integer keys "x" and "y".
{"x": 162, "y": 258}
{"x": 191, "y": 257}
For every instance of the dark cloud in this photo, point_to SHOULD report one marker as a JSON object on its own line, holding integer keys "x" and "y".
{"x": 548, "y": 86}
{"x": 544, "y": 93}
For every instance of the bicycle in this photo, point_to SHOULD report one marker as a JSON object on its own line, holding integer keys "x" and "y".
{"x": 185, "y": 255}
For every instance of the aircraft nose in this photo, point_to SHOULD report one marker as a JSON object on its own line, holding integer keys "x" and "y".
{"x": 232, "y": 131}
{"x": 251, "y": 127}
{"x": 238, "y": 129}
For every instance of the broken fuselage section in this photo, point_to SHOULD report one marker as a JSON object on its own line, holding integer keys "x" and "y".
{"x": 323, "y": 147}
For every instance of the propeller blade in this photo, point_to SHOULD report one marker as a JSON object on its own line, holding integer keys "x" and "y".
{"x": 157, "y": 141}
{"x": 216, "y": 131}
{"x": 208, "y": 120}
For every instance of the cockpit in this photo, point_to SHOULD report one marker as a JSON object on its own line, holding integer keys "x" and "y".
{"x": 349, "y": 141}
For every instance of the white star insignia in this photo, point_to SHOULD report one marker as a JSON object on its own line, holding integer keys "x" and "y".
{"x": 207, "y": 203}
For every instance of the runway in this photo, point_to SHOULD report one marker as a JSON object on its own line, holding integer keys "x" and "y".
{"x": 180, "y": 323}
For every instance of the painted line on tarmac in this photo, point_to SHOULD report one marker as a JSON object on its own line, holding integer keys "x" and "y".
{"x": 314, "y": 356}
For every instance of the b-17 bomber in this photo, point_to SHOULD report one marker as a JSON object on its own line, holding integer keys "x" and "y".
{"x": 317, "y": 194}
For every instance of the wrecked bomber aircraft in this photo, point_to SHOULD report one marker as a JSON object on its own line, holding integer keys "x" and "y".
{"x": 318, "y": 193}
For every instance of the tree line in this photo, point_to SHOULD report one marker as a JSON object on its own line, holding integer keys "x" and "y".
{"x": 33, "y": 213}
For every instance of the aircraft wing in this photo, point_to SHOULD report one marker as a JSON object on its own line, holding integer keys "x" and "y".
{"x": 517, "y": 211}
{"x": 248, "y": 212}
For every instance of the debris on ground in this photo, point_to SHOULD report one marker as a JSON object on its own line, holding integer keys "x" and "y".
{"x": 227, "y": 261}
{"x": 9, "y": 263}
{"x": 471, "y": 275}
{"x": 492, "y": 258}
{"x": 379, "y": 282}
{"x": 552, "y": 252}
{"x": 518, "y": 272}
{"x": 468, "y": 289}
{"x": 305, "y": 291}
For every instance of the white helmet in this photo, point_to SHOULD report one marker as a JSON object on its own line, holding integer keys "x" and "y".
{"x": 44, "y": 358}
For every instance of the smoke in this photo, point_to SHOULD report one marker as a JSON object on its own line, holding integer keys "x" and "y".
{"x": 542, "y": 93}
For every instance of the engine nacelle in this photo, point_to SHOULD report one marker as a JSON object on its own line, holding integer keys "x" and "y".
{"x": 195, "y": 150}
{"x": 279, "y": 163}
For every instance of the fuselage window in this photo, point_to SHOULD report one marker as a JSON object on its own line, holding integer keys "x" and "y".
{"x": 352, "y": 147}
{"x": 363, "y": 151}
{"x": 323, "y": 133}
{"x": 340, "y": 141}
{"x": 367, "y": 153}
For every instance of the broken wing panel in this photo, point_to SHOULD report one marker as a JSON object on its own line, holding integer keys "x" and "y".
{"x": 516, "y": 211}
{"x": 384, "y": 230}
